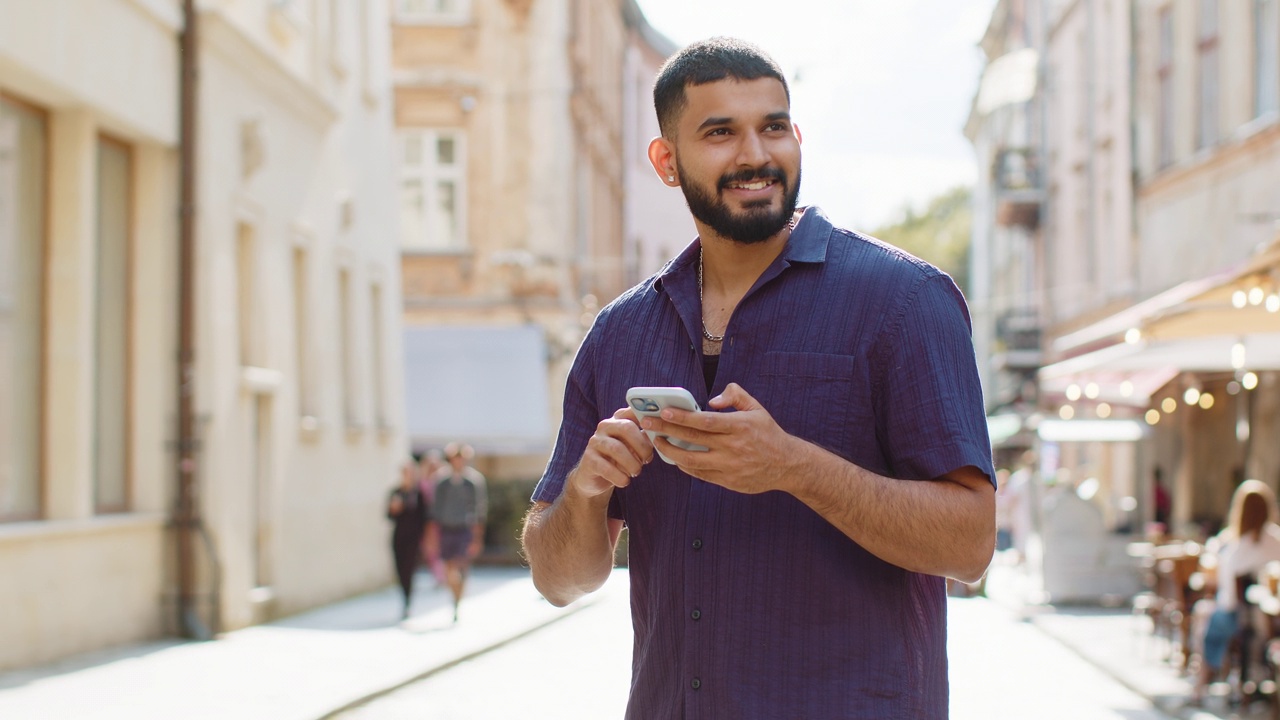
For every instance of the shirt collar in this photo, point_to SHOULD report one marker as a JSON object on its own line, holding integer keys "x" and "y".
{"x": 807, "y": 244}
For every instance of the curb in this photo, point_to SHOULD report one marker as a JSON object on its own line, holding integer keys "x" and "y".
{"x": 367, "y": 698}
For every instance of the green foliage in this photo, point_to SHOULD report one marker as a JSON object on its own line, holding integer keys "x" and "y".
{"x": 508, "y": 503}
{"x": 939, "y": 234}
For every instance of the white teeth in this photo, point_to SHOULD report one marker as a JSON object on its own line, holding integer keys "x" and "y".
{"x": 759, "y": 185}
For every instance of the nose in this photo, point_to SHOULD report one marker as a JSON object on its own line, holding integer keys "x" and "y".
{"x": 752, "y": 151}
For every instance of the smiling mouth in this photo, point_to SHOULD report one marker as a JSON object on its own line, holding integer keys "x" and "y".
{"x": 753, "y": 185}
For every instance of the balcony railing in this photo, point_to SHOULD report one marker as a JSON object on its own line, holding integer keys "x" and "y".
{"x": 1019, "y": 188}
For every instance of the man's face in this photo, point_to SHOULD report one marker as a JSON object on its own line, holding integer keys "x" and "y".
{"x": 738, "y": 158}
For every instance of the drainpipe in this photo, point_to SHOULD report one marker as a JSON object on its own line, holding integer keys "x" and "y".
{"x": 186, "y": 518}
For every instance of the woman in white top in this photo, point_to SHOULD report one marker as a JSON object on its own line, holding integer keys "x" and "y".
{"x": 1250, "y": 541}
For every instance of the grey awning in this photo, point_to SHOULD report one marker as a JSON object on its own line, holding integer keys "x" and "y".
{"x": 486, "y": 386}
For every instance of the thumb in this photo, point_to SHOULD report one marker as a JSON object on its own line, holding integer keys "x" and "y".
{"x": 733, "y": 397}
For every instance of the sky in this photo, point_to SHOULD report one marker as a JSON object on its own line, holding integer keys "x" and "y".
{"x": 880, "y": 90}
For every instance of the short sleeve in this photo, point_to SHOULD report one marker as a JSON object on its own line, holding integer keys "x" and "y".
{"x": 482, "y": 496}
{"x": 580, "y": 417}
{"x": 931, "y": 419}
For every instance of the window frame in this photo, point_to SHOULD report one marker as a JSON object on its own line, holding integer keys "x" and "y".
{"x": 430, "y": 173}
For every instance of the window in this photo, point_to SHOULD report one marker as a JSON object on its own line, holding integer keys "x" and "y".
{"x": 442, "y": 12}
{"x": 379, "y": 337}
{"x": 432, "y": 191}
{"x": 1207, "y": 133}
{"x": 247, "y": 295}
{"x": 111, "y": 329}
{"x": 304, "y": 363}
{"x": 1165, "y": 79}
{"x": 1266, "y": 57}
{"x": 346, "y": 350}
{"x": 23, "y": 172}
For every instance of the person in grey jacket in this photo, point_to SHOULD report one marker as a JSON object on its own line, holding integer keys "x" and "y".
{"x": 460, "y": 509}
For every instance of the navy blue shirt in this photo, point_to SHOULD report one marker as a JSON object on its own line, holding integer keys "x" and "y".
{"x": 754, "y": 606}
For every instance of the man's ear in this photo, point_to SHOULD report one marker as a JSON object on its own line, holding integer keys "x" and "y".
{"x": 662, "y": 155}
{"x": 799, "y": 136}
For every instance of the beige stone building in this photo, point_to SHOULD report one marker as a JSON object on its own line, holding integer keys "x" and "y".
{"x": 1158, "y": 269}
{"x": 1006, "y": 127}
{"x": 1207, "y": 161}
{"x": 516, "y": 123}
{"x": 656, "y": 220}
{"x": 297, "y": 364}
{"x": 1091, "y": 243}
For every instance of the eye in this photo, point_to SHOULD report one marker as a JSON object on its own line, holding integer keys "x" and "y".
{"x": 718, "y": 131}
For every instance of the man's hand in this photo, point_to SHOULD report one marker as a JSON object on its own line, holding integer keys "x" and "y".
{"x": 748, "y": 451}
{"x": 615, "y": 454}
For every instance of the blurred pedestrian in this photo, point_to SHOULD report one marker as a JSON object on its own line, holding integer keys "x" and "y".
{"x": 1022, "y": 505}
{"x": 461, "y": 508}
{"x": 431, "y": 464}
{"x": 407, "y": 508}
{"x": 794, "y": 568}
{"x": 1160, "y": 494}
{"x": 1250, "y": 540}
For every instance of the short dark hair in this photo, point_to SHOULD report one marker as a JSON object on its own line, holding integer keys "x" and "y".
{"x": 706, "y": 62}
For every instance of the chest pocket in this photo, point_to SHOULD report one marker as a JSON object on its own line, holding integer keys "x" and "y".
{"x": 820, "y": 397}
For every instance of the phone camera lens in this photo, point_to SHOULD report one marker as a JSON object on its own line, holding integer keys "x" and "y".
{"x": 637, "y": 403}
{"x": 650, "y": 406}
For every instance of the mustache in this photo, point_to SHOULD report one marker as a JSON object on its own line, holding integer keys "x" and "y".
{"x": 748, "y": 175}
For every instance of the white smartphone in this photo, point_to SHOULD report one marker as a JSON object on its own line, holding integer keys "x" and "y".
{"x": 649, "y": 402}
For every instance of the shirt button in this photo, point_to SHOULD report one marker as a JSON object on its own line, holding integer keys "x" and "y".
{"x": 696, "y": 614}
{"x": 697, "y": 544}
{"x": 696, "y": 683}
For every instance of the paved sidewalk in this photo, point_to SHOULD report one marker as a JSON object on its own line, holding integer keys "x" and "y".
{"x": 301, "y": 668}
{"x": 313, "y": 665}
{"x": 1117, "y": 642}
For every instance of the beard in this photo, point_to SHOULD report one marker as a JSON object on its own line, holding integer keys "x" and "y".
{"x": 758, "y": 222}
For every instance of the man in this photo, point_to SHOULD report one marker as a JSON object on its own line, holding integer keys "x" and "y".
{"x": 795, "y": 569}
{"x": 461, "y": 506}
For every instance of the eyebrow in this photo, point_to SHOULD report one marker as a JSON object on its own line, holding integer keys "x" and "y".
{"x": 716, "y": 121}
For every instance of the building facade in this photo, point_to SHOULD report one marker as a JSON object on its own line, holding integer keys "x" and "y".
{"x": 1160, "y": 313}
{"x": 1091, "y": 239}
{"x": 297, "y": 370}
{"x": 656, "y": 221}
{"x": 516, "y": 122}
{"x": 1006, "y": 128}
{"x": 1207, "y": 162}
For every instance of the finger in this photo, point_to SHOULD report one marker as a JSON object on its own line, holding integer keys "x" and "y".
{"x": 626, "y": 450}
{"x": 628, "y": 432}
{"x": 626, "y": 414}
{"x": 734, "y": 397}
{"x": 596, "y": 474}
{"x": 700, "y": 431}
{"x": 691, "y": 462}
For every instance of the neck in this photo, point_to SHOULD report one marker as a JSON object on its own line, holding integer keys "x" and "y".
{"x": 730, "y": 267}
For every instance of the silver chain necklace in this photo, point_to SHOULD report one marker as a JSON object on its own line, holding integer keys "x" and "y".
{"x": 791, "y": 225}
{"x": 705, "y": 332}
